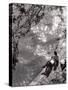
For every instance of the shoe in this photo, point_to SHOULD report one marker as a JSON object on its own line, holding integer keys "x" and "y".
{"x": 45, "y": 75}
{"x": 42, "y": 73}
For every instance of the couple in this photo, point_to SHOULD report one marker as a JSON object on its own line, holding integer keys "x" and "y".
{"x": 52, "y": 64}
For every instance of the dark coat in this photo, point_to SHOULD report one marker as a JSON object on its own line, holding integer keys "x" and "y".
{"x": 56, "y": 62}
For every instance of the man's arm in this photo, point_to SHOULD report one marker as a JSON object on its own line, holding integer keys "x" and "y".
{"x": 45, "y": 64}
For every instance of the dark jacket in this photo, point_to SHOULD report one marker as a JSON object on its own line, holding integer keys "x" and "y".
{"x": 56, "y": 62}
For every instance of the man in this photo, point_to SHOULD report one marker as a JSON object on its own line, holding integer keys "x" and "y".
{"x": 52, "y": 64}
{"x": 56, "y": 61}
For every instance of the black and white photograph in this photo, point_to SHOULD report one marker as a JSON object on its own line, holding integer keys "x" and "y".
{"x": 37, "y": 39}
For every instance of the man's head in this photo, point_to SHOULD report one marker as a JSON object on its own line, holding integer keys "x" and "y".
{"x": 55, "y": 53}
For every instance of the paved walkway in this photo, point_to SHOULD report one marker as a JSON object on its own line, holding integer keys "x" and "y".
{"x": 42, "y": 79}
